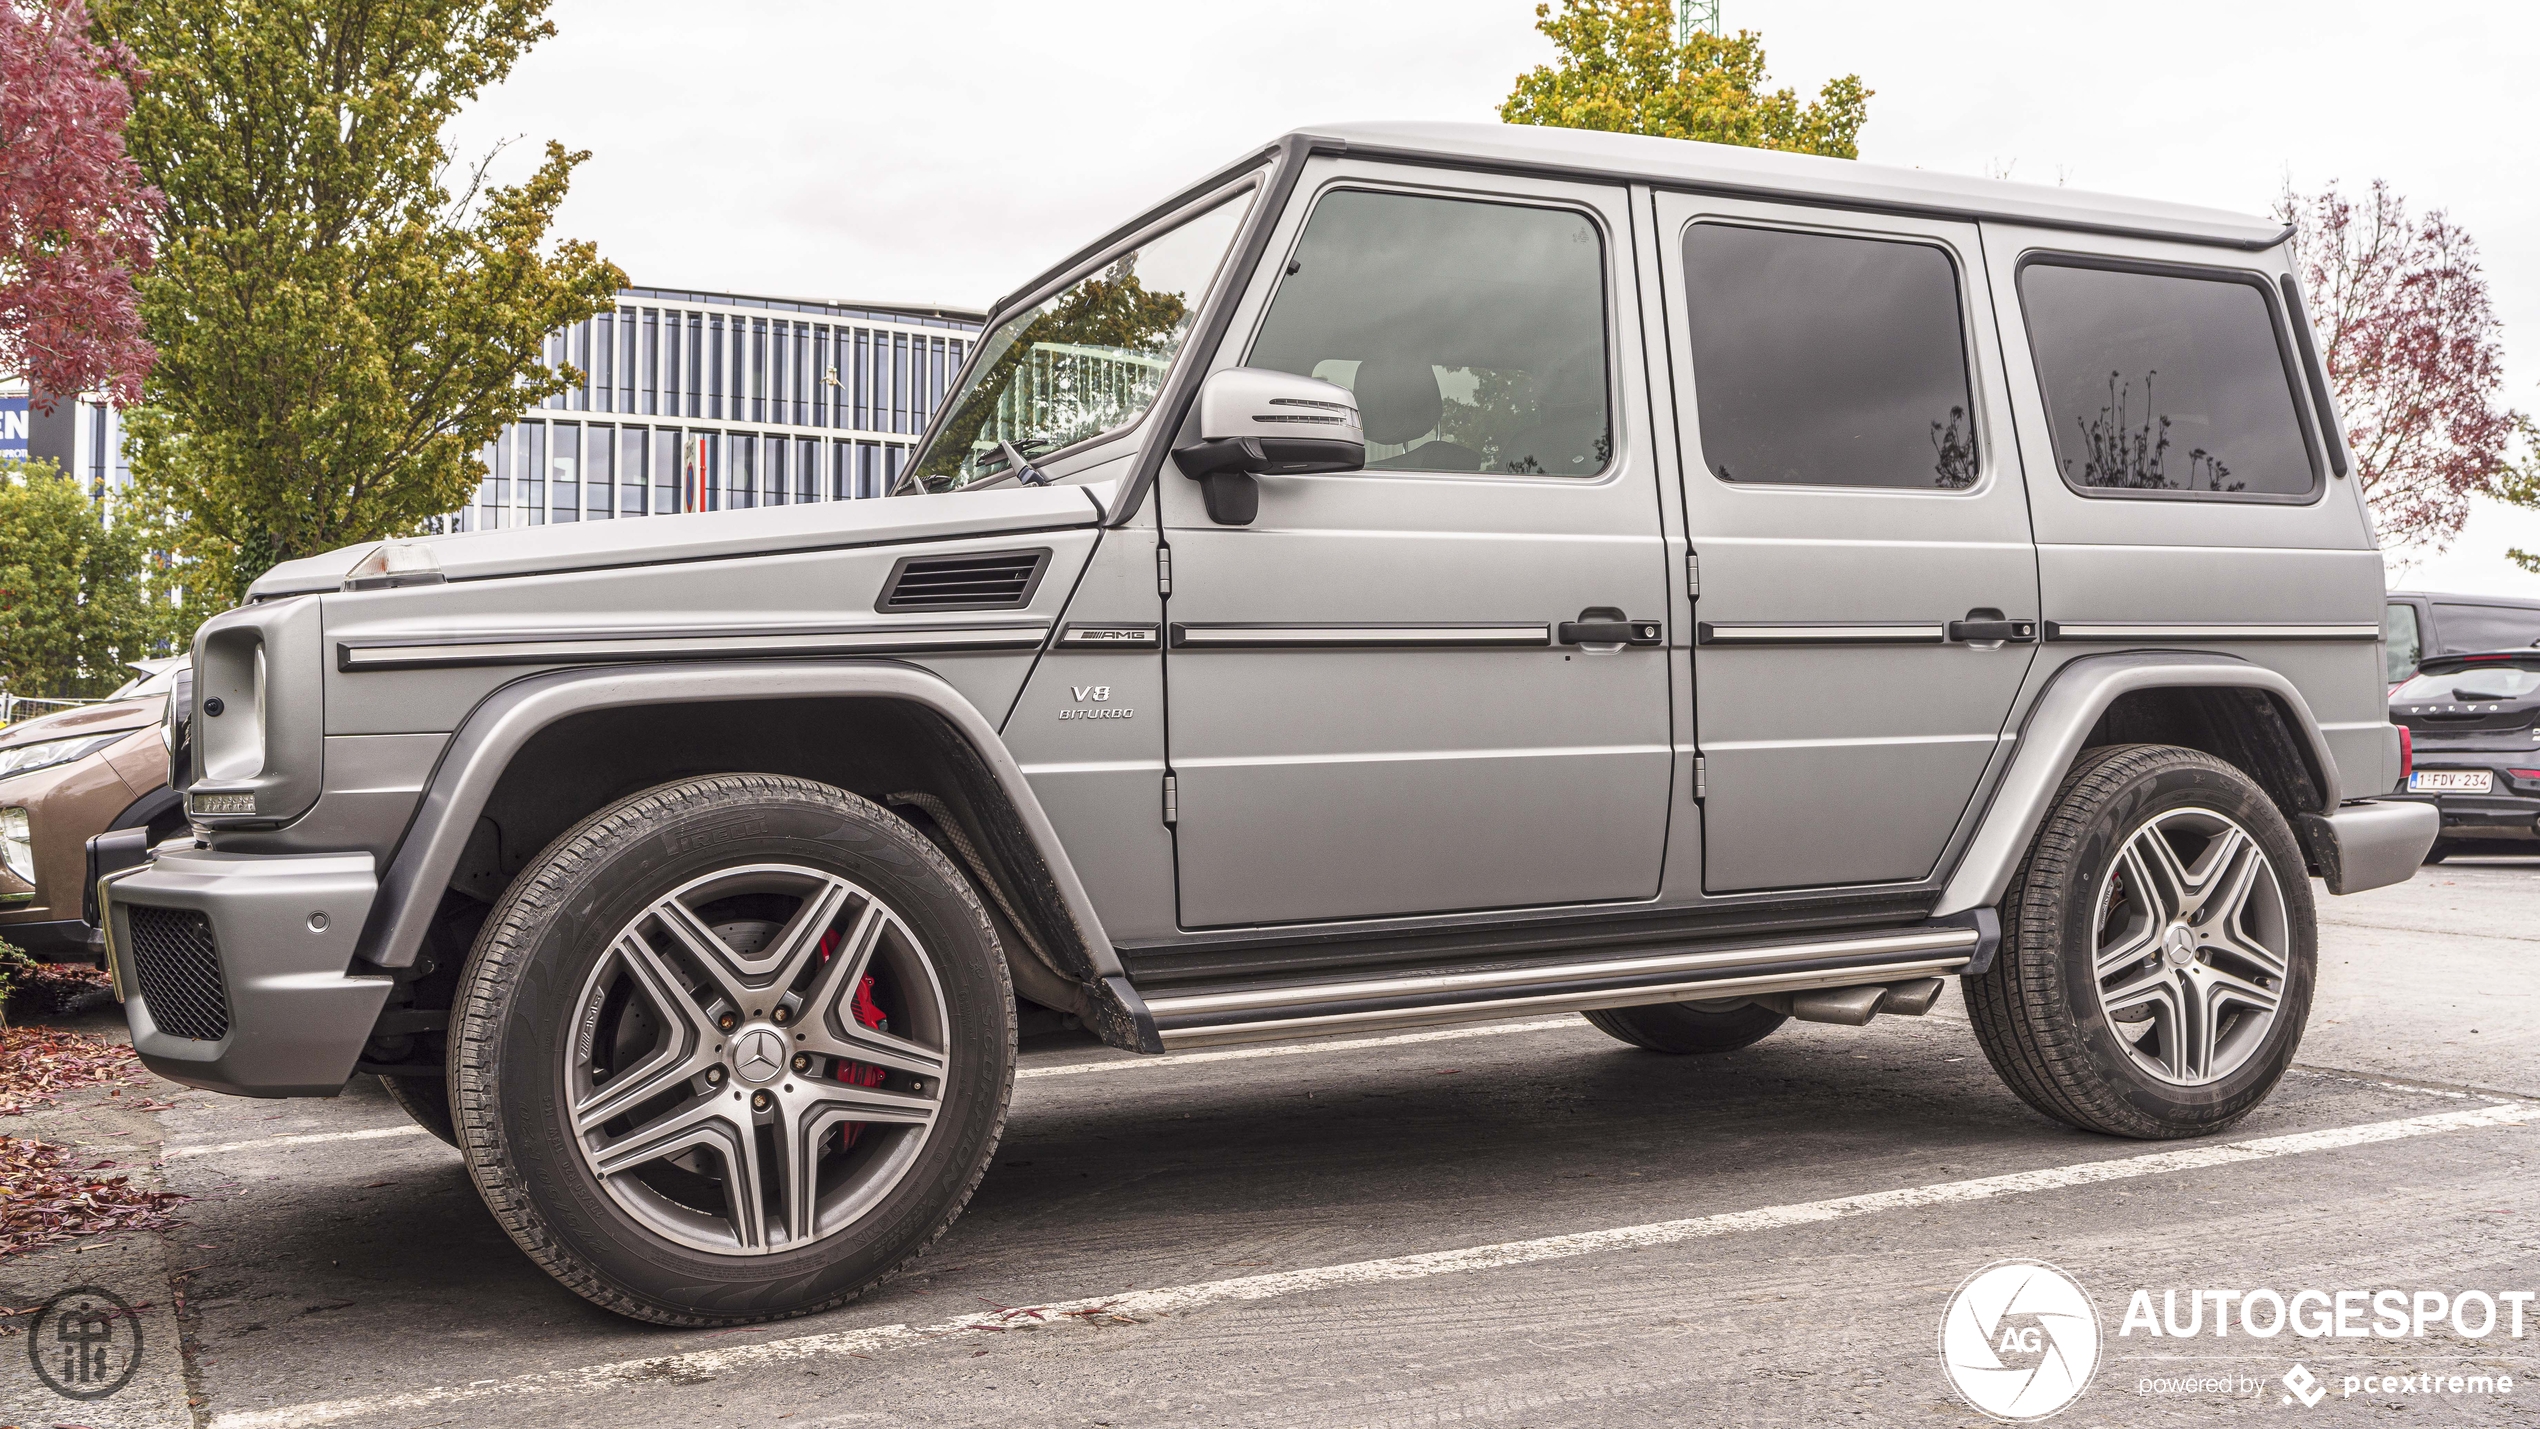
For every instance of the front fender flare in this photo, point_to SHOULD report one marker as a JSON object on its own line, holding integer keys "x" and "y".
{"x": 2052, "y": 736}
{"x": 495, "y": 731}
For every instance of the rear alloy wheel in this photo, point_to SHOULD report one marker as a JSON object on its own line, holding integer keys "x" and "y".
{"x": 2158, "y": 949}
{"x": 744, "y": 1080}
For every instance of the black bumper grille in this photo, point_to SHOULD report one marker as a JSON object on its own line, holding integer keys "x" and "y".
{"x": 177, "y": 963}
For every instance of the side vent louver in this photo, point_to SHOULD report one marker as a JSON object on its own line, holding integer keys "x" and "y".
{"x": 986, "y": 580}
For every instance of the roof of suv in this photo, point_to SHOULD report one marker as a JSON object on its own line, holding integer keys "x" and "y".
{"x": 1766, "y": 174}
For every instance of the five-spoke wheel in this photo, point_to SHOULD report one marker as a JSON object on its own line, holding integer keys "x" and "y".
{"x": 2191, "y": 946}
{"x": 733, "y": 1048}
{"x": 2157, "y": 948}
{"x": 762, "y": 1058}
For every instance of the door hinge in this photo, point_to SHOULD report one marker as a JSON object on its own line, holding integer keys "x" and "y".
{"x": 1163, "y": 570}
{"x": 1172, "y": 802}
{"x": 1693, "y": 575}
{"x": 1701, "y": 768}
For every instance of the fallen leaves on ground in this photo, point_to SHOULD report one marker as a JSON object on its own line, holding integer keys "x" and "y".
{"x": 39, "y": 1063}
{"x": 43, "y": 1202}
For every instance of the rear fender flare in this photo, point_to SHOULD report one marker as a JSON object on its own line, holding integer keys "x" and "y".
{"x": 2059, "y": 723}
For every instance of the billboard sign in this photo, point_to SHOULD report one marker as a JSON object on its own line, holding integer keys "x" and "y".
{"x": 13, "y": 427}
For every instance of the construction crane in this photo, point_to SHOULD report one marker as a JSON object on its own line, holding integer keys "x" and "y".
{"x": 1692, "y": 15}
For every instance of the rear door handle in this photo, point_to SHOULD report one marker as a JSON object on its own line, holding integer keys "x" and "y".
{"x": 1988, "y": 627}
{"x": 1611, "y": 632}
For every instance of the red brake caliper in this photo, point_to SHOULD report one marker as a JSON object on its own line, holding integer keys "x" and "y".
{"x": 868, "y": 1013}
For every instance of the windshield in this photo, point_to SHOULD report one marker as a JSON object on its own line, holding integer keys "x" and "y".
{"x": 1087, "y": 359}
{"x": 2501, "y": 682}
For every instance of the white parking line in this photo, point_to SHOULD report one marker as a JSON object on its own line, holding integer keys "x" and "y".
{"x": 1141, "y": 1304}
{"x": 267, "y": 1143}
{"x": 1295, "y": 1049}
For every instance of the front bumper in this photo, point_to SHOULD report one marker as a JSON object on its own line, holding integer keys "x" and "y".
{"x": 247, "y": 955}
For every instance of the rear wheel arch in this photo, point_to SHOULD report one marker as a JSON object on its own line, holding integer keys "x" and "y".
{"x": 2249, "y": 716}
{"x": 2250, "y": 729}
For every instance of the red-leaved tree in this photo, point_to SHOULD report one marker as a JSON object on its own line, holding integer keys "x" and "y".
{"x": 2413, "y": 350}
{"x": 74, "y": 211}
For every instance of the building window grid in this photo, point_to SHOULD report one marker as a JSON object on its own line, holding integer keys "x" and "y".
{"x": 864, "y": 379}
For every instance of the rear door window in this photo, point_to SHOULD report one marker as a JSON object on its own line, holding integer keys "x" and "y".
{"x": 2161, "y": 383}
{"x": 2485, "y": 627}
{"x": 1828, "y": 361}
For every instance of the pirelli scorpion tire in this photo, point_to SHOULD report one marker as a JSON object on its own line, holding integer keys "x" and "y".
{"x": 1684, "y": 1027}
{"x": 2158, "y": 949}
{"x": 732, "y": 1049}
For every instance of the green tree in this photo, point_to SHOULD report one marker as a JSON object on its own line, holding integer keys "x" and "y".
{"x": 1619, "y": 68}
{"x": 339, "y": 332}
{"x": 81, "y": 589}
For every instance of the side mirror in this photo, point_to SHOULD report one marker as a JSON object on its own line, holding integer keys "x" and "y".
{"x": 1256, "y": 422}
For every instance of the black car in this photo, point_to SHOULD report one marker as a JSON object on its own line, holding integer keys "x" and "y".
{"x": 2477, "y": 748}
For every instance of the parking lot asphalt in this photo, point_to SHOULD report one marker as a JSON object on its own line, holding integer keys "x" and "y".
{"x": 1518, "y": 1224}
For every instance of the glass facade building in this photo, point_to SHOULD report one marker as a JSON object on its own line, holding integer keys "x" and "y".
{"x": 710, "y": 401}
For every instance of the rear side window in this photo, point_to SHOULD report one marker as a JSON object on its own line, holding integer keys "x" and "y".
{"x": 1828, "y": 361}
{"x": 2401, "y": 646}
{"x": 2165, "y": 383}
{"x": 2485, "y": 627}
{"x": 1473, "y": 333}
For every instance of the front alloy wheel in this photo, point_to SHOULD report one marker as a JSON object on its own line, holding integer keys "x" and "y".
{"x": 762, "y": 1059}
{"x": 732, "y": 1049}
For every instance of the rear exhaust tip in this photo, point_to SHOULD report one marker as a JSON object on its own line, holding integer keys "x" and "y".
{"x": 1844, "y": 1006}
{"x": 1912, "y": 999}
{"x": 1855, "y": 1006}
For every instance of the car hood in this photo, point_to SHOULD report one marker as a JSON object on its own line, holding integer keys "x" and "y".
{"x": 87, "y": 719}
{"x": 709, "y": 535}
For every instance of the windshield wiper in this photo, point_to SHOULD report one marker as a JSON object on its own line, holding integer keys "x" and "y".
{"x": 1019, "y": 467}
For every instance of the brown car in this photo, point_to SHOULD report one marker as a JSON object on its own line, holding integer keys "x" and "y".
{"x": 68, "y": 776}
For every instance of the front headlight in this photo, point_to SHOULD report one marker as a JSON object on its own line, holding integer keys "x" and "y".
{"x": 27, "y": 758}
{"x": 17, "y": 845}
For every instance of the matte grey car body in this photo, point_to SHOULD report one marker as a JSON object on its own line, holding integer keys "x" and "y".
{"x": 1589, "y": 689}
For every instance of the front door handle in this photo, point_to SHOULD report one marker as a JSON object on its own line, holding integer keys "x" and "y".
{"x": 1613, "y": 631}
{"x": 1986, "y": 626}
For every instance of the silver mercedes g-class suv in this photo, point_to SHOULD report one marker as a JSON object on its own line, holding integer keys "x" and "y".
{"x": 1418, "y": 574}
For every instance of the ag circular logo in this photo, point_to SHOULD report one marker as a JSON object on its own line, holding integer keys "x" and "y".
{"x": 85, "y": 1343}
{"x": 2019, "y": 1340}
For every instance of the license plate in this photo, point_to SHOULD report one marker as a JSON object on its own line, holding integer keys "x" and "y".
{"x": 2451, "y": 781}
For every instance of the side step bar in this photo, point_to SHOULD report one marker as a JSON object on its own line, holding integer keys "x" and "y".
{"x": 1207, "y": 1019}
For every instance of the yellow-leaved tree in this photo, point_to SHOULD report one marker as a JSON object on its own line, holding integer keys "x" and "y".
{"x": 1618, "y": 68}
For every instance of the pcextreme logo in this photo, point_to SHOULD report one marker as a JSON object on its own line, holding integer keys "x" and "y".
{"x": 2019, "y": 1341}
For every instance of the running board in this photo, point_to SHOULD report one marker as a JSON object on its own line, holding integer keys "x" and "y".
{"x": 1207, "y": 1019}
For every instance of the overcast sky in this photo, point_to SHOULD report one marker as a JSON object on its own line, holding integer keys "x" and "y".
{"x": 946, "y": 152}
